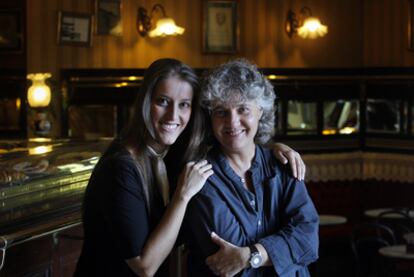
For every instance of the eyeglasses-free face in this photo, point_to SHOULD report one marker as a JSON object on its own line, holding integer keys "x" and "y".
{"x": 235, "y": 125}
{"x": 170, "y": 111}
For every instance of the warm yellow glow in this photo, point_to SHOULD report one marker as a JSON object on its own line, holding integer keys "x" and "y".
{"x": 347, "y": 130}
{"x": 40, "y": 150}
{"x": 312, "y": 28}
{"x": 328, "y": 132}
{"x": 271, "y": 77}
{"x": 40, "y": 139}
{"x": 18, "y": 104}
{"x": 343, "y": 131}
{"x": 120, "y": 85}
{"x": 166, "y": 27}
{"x": 135, "y": 78}
{"x": 39, "y": 94}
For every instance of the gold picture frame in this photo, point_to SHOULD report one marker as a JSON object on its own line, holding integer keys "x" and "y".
{"x": 220, "y": 27}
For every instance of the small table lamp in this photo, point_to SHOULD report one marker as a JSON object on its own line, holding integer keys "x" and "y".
{"x": 39, "y": 96}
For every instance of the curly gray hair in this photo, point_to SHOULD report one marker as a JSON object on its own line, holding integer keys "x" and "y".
{"x": 241, "y": 80}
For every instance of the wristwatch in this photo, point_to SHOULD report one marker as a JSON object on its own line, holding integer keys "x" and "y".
{"x": 256, "y": 258}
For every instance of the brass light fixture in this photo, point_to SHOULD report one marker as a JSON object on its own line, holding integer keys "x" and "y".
{"x": 164, "y": 26}
{"x": 305, "y": 25}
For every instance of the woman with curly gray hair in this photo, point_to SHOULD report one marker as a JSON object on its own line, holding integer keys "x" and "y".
{"x": 240, "y": 81}
{"x": 252, "y": 216}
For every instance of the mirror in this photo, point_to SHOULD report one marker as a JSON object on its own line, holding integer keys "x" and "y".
{"x": 340, "y": 117}
{"x": 383, "y": 116}
{"x": 301, "y": 118}
{"x": 92, "y": 121}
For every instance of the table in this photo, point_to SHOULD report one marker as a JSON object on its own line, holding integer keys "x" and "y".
{"x": 400, "y": 262}
{"x": 327, "y": 219}
{"x": 374, "y": 213}
{"x": 396, "y": 251}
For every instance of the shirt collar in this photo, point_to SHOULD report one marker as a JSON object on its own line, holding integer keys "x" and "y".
{"x": 223, "y": 162}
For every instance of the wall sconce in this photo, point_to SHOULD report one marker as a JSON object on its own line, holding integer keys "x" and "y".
{"x": 39, "y": 96}
{"x": 164, "y": 26}
{"x": 306, "y": 26}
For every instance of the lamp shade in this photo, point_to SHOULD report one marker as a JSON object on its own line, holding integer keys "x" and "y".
{"x": 166, "y": 27}
{"x": 39, "y": 94}
{"x": 312, "y": 28}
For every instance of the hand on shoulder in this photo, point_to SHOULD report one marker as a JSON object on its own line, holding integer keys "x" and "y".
{"x": 193, "y": 178}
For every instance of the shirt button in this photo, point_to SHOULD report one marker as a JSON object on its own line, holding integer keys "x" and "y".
{"x": 252, "y": 203}
{"x": 259, "y": 223}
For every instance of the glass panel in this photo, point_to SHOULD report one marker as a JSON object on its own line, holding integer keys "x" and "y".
{"x": 406, "y": 106}
{"x": 9, "y": 114}
{"x": 383, "y": 116}
{"x": 412, "y": 117}
{"x": 92, "y": 121}
{"x": 340, "y": 117}
{"x": 301, "y": 118}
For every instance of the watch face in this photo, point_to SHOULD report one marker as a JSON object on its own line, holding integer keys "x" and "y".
{"x": 256, "y": 260}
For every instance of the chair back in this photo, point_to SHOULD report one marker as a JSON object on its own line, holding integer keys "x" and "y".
{"x": 366, "y": 239}
{"x": 399, "y": 221}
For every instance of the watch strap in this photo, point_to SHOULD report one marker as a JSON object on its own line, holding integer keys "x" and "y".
{"x": 253, "y": 249}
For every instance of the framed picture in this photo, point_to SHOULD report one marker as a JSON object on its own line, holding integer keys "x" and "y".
{"x": 11, "y": 31}
{"x": 74, "y": 29}
{"x": 108, "y": 17}
{"x": 220, "y": 26}
{"x": 411, "y": 26}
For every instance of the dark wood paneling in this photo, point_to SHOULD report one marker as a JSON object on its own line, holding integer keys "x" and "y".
{"x": 262, "y": 37}
{"x": 15, "y": 59}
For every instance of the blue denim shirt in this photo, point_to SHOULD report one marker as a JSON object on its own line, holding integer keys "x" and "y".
{"x": 279, "y": 214}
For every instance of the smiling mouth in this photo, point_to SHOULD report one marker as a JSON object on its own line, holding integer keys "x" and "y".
{"x": 169, "y": 126}
{"x": 234, "y": 133}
